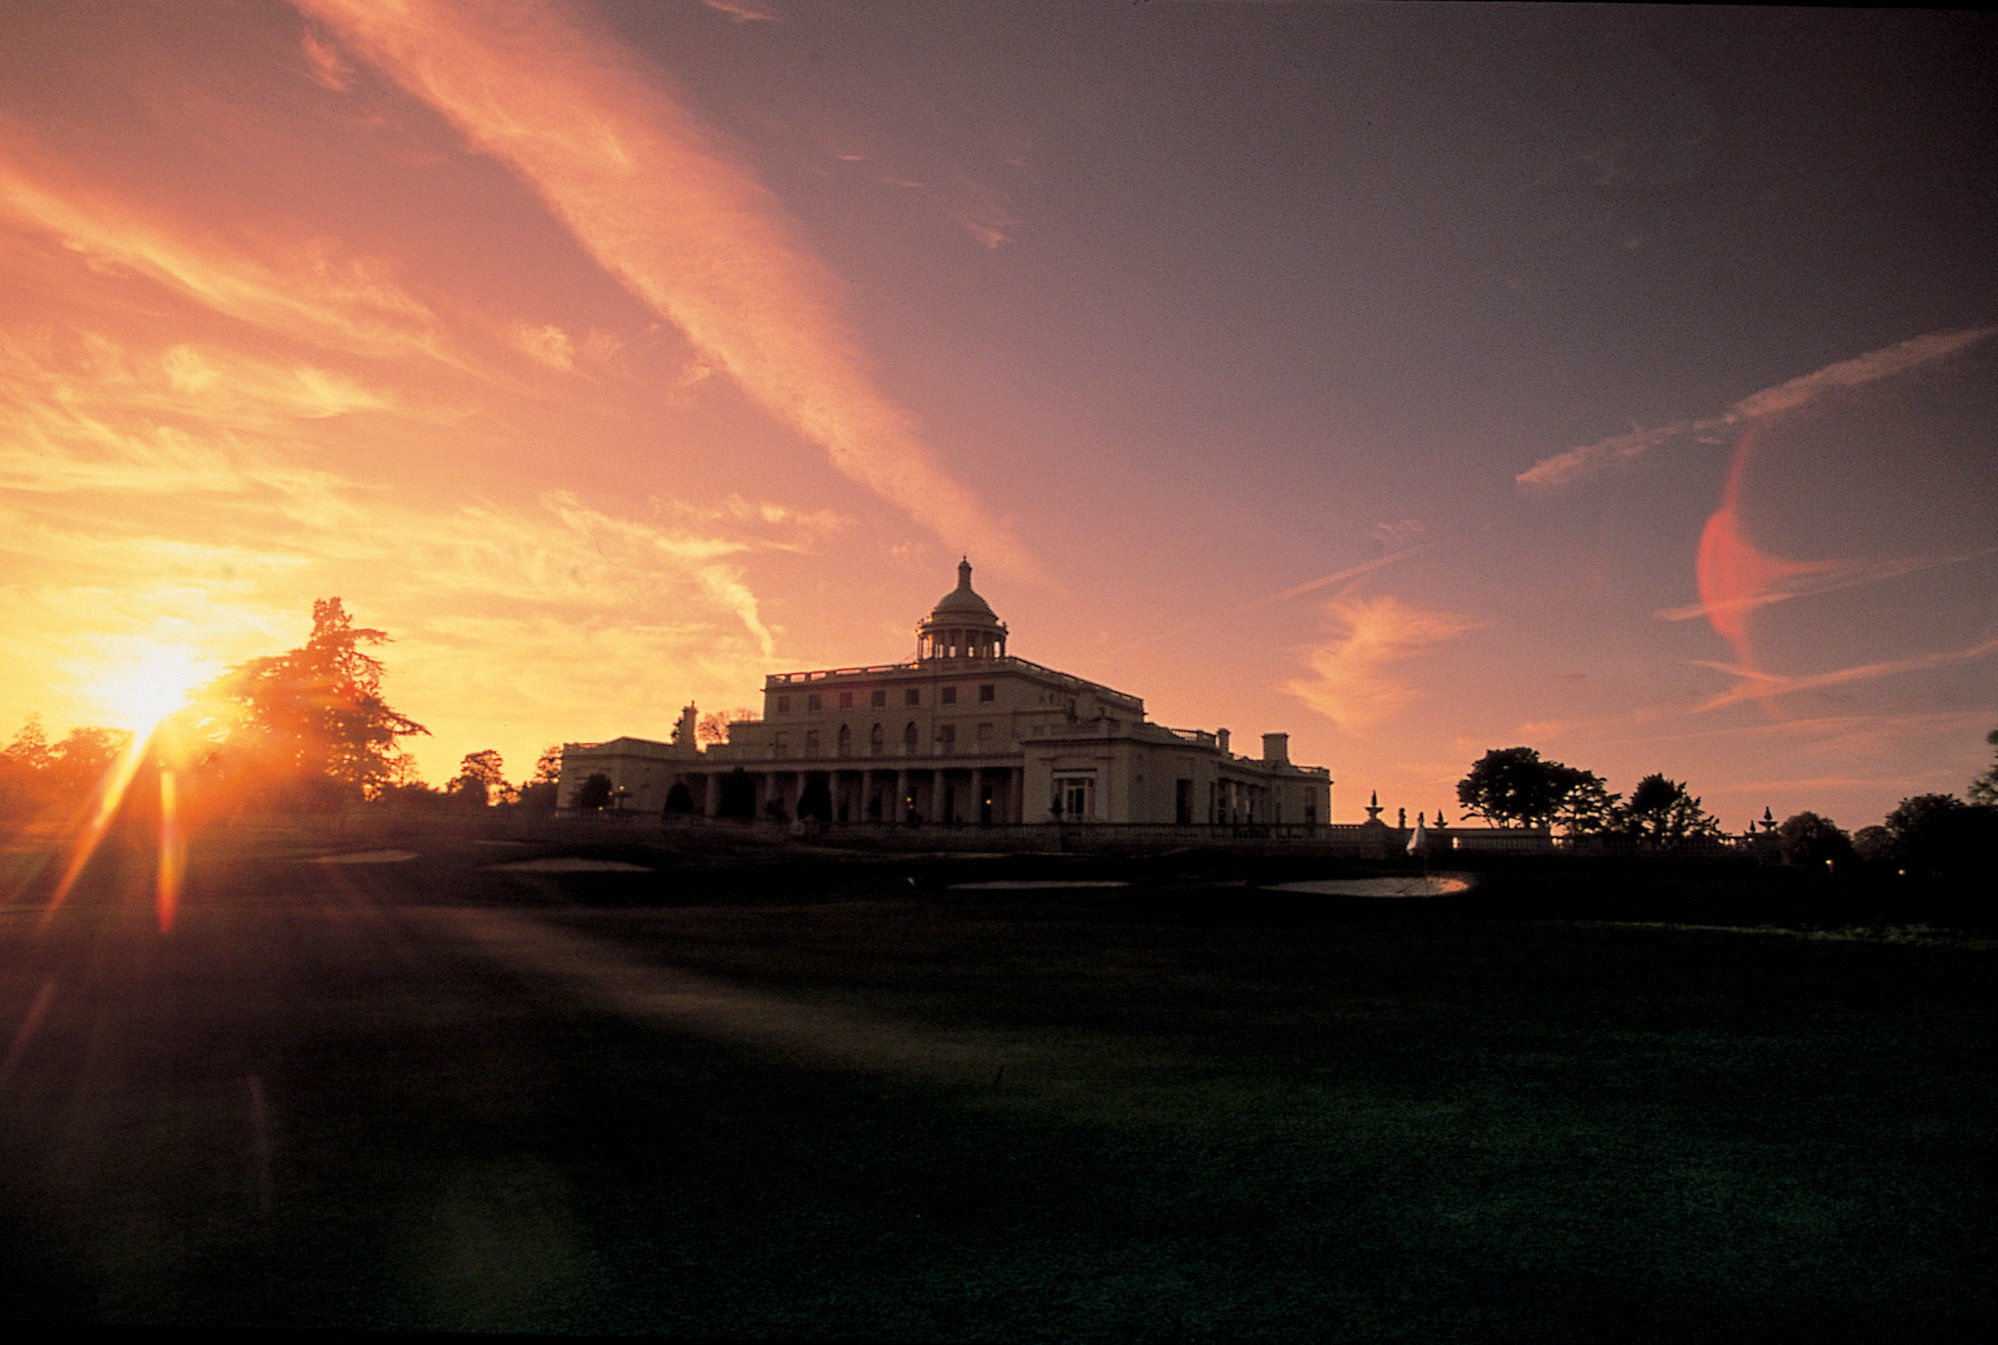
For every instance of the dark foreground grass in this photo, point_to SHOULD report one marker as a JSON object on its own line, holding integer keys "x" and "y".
{"x": 842, "y": 1099}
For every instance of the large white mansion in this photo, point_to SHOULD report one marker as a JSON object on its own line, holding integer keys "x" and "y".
{"x": 965, "y": 733}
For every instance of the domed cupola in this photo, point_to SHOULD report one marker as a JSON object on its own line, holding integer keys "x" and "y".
{"x": 961, "y": 625}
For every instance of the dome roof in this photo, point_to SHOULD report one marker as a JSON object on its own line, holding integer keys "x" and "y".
{"x": 961, "y": 625}
{"x": 961, "y": 603}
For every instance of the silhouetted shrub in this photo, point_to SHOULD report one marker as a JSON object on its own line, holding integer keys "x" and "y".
{"x": 1810, "y": 841}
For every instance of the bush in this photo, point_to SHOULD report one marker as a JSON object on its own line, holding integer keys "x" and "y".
{"x": 1808, "y": 841}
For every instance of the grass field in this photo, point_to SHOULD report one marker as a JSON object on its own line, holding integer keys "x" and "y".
{"x": 759, "y": 1092}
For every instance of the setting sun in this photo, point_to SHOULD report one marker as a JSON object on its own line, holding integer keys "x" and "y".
{"x": 147, "y": 686}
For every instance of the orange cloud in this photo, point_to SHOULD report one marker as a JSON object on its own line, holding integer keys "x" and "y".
{"x": 651, "y": 193}
{"x": 312, "y": 296}
{"x": 546, "y": 344}
{"x": 1351, "y": 682}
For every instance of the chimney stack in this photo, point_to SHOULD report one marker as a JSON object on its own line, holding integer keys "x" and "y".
{"x": 1276, "y": 748}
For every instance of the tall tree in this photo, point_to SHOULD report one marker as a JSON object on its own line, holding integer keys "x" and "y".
{"x": 1513, "y": 786}
{"x": 538, "y": 794}
{"x": 1664, "y": 813}
{"x": 482, "y": 779}
{"x": 309, "y": 728}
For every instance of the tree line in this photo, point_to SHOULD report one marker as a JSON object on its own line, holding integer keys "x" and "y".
{"x": 1926, "y": 835}
{"x": 307, "y": 730}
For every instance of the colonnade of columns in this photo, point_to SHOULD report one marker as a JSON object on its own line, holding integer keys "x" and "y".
{"x": 978, "y": 795}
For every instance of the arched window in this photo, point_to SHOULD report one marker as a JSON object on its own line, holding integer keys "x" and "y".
{"x": 876, "y": 740}
{"x": 845, "y": 741}
{"x": 909, "y": 739}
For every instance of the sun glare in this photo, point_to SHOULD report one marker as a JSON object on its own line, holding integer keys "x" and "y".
{"x": 148, "y": 686}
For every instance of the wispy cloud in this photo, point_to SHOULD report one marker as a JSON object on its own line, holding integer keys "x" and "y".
{"x": 140, "y": 486}
{"x": 1820, "y": 577}
{"x": 325, "y": 65}
{"x": 1336, "y": 577}
{"x": 739, "y": 12}
{"x": 654, "y": 196}
{"x": 546, "y": 344}
{"x": 1399, "y": 535}
{"x": 1353, "y": 681}
{"x": 1564, "y": 469}
{"x": 1754, "y": 683}
{"x": 313, "y": 295}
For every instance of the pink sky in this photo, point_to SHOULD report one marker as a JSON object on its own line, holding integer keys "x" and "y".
{"x": 1368, "y": 373}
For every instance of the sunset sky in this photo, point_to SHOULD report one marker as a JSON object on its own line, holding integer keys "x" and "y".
{"x": 1415, "y": 379}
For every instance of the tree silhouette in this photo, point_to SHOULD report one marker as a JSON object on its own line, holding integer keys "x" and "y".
{"x": 595, "y": 795}
{"x": 1807, "y": 840}
{"x": 1984, "y": 789}
{"x": 482, "y": 779}
{"x": 1664, "y": 814}
{"x": 1513, "y": 786}
{"x": 538, "y": 794}
{"x": 1939, "y": 835}
{"x": 309, "y": 728}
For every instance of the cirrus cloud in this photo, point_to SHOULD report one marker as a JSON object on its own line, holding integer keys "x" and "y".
{"x": 1577, "y": 464}
{"x": 1353, "y": 681}
{"x": 656, "y": 198}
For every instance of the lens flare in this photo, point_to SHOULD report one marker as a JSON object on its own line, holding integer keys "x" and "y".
{"x": 1734, "y": 573}
{"x": 110, "y": 794}
{"x": 173, "y": 851}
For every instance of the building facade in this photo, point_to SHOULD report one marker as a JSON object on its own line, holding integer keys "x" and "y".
{"x": 964, "y": 733}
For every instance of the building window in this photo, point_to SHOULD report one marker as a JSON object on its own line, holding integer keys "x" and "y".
{"x": 986, "y": 691}
{"x": 812, "y": 701}
{"x": 909, "y": 739}
{"x": 913, "y": 696}
{"x": 780, "y": 746}
{"x": 985, "y": 733}
{"x": 1075, "y": 797}
{"x": 846, "y": 700}
{"x": 1182, "y": 801}
{"x": 845, "y": 741}
{"x": 878, "y": 698}
{"x": 876, "y": 740}
{"x": 946, "y": 739}
{"x": 950, "y": 695}
{"x": 783, "y": 705}
{"x": 811, "y": 743}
